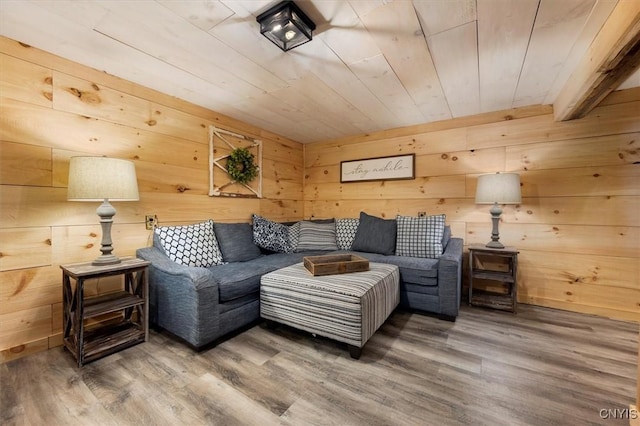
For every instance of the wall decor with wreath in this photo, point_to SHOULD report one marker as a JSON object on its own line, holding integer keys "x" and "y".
{"x": 235, "y": 163}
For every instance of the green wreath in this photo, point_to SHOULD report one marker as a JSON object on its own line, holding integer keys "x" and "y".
{"x": 240, "y": 166}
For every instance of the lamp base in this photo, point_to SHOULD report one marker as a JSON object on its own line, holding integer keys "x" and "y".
{"x": 495, "y": 211}
{"x": 106, "y": 213}
{"x": 106, "y": 259}
{"x": 494, "y": 244}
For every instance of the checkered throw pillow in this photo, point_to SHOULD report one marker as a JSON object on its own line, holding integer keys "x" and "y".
{"x": 345, "y": 232}
{"x": 191, "y": 245}
{"x": 420, "y": 236}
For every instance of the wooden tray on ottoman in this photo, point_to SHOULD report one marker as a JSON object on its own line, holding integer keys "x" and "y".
{"x": 331, "y": 264}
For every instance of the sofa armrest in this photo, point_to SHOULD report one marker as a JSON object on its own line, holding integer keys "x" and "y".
{"x": 450, "y": 278}
{"x": 192, "y": 276}
{"x": 182, "y": 299}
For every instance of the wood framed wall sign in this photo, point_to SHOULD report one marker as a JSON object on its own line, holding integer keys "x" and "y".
{"x": 380, "y": 168}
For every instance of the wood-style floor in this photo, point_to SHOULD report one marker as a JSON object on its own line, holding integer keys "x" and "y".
{"x": 539, "y": 367}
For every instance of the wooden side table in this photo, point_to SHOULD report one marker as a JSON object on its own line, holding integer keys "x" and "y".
{"x": 499, "y": 267}
{"x": 90, "y": 343}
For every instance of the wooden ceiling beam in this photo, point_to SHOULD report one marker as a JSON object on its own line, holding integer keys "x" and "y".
{"x": 612, "y": 57}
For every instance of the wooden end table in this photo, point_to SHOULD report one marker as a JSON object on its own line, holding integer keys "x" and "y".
{"x": 88, "y": 343}
{"x": 499, "y": 267}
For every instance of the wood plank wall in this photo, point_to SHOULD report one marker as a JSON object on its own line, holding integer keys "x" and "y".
{"x": 637, "y": 405}
{"x": 52, "y": 109}
{"x": 578, "y": 227}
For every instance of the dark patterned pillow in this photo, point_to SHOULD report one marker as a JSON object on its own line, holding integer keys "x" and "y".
{"x": 345, "y": 232}
{"x": 191, "y": 245}
{"x": 375, "y": 235}
{"x": 271, "y": 235}
{"x": 420, "y": 236}
{"x": 317, "y": 236}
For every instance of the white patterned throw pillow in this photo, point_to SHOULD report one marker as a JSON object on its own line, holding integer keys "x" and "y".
{"x": 345, "y": 232}
{"x": 294, "y": 235}
{"x": 420, "y": 236}
{"x": 191, "y": 245}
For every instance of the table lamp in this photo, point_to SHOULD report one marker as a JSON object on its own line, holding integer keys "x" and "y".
{"x": 103, "y": 179}
{"x": 498, "y": 188}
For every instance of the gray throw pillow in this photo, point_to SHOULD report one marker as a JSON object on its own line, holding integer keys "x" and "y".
{"x": 375, "y": 235}
{"x": 446, "y": 236}
{"x": 236, "y": 242}
{"x": 317, "y": 236}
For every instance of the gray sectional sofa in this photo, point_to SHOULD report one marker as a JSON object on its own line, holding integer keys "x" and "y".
{"x": 202, "y": 304}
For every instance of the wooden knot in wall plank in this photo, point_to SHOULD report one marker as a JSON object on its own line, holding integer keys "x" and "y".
{"x": 17, "y": 349}
{"x": 86, "y": 97}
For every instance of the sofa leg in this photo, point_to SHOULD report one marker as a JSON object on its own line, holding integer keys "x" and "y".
{"x": 271, "y": 325}
{"x": 445, "y": 317}
{"x": 354, "y": 351}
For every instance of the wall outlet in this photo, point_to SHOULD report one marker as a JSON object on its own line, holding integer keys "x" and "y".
{"x": 151, "y": 220}
{"x": 422, "y": 214}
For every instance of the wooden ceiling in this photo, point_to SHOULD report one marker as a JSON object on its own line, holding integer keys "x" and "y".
{"x": 372, "y": 65}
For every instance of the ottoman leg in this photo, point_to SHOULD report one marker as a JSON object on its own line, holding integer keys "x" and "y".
{"x": 355, "y": 351}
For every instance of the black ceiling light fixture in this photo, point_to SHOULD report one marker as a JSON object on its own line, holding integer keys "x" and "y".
{"x": 286, "y": 25}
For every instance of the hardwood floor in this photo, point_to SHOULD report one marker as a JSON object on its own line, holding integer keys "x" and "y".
{"x": 539, "y": 367}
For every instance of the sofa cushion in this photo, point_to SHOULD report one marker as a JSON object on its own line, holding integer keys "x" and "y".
{"x": 191, "y": 245}
{"x": 236, "y": 241}
{"x": 239, "y": 279}
{"x": 271, "y": 235}
{"x": 421, "y": 289}
{"x": 375, "y": 235}
{"x": 421, "y": 271}
{"x": 345, "y": 232}
{"x": 420, "y": 236}
{"x": 317, "y": 236}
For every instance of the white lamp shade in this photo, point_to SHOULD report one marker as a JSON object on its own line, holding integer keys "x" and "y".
{"x": 501, "y": 188}
{"x": 99, "y": 178}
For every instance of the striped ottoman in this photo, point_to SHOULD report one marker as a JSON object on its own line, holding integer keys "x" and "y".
{"x": 347, "y": 307}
